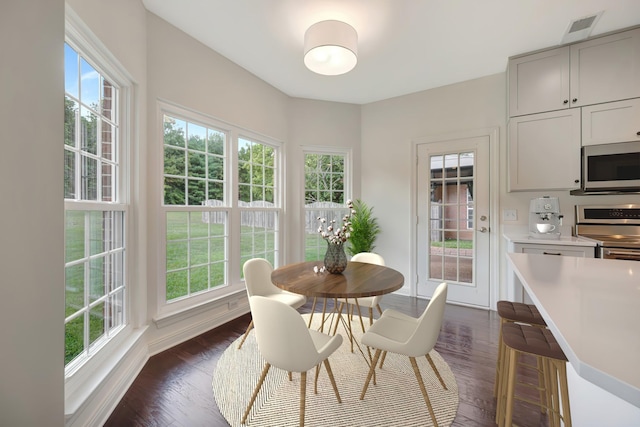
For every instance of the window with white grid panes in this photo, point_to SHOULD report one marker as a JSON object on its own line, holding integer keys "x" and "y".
{"x": 207, "y": 229}
{"x": 325, "y": 194}
{"x": 194, "y": 203}
{"x": 95, "y": 209}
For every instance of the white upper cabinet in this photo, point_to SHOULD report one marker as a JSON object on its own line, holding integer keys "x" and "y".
{"x": 606, "y": 69}
{"x": 539, "y": 82}
{"x": 544, "y": 151}
{"x": 600, "y": 70}
{"x": 611, "y": 122}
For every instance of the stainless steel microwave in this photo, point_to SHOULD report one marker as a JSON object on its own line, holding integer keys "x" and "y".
{"x": 611, "y": 167}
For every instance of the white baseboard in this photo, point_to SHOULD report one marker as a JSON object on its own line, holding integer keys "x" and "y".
{"x": 94, "y": 401}
{"x": 91, "y": 397}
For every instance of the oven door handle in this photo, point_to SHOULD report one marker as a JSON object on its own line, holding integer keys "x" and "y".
{"x": 630, "y": 254}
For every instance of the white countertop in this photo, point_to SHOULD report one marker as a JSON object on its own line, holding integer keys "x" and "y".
{"x": 592, "y": 306}
{"x": 520, "y": 234}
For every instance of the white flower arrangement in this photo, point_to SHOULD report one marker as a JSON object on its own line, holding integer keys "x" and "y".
{"x": 337, "y": 235}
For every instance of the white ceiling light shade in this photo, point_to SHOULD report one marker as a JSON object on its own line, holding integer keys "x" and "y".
{"x": 330, "y": 48}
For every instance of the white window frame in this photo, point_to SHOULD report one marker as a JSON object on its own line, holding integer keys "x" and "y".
{"x": 233, "y": 273}
{"x": 83, "y": 41}
{"x": 348, "y": 189}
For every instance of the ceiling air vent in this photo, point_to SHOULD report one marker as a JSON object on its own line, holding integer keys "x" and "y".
{"x": 580, "y": 28}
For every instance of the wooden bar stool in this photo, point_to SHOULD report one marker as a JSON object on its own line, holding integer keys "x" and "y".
{"x": 514, "y": 312}
{"x": 539, "y": 342}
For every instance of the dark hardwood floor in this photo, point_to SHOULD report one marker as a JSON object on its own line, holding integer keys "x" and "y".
{"x": 174, "y": 387}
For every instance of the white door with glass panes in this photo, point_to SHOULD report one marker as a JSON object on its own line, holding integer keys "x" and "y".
{"x": 453, "y": 218}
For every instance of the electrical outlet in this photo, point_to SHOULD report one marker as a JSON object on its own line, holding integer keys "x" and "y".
{"x": 510, "y": 215}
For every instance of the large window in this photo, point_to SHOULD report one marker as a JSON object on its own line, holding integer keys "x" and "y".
{"x": 209, "y": 232}
{"x": 326, "y": 190}
{"x": 95, "y": 209}
{"x": 257, "y": 189}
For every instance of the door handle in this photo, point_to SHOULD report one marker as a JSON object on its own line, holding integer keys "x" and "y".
{"x": 483, "y": 229}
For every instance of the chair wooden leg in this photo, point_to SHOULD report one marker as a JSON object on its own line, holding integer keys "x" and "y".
{"x": 552, "y": 400}
{"x": 423, "y": 389}
{"x": 541, "y": 384}
{"x": 315, "y": 382}
{"x": 501, "y": 378}
{"x": 370, "y": 316}
{"x": 384, "y": 356}
{"x": 500, "y": 360}
{"x": 245, "y": 334}
{"x": 376, "y": 356}
{"x": 379, "y": 309}
{"x": 511, "y": 357}
{"x": 433, "y": 366}
{"x": 564, "y": 391}
{"x": 333, "y": 381}
{"x": 303, "y": 395}
{"x": 255, "y": 392}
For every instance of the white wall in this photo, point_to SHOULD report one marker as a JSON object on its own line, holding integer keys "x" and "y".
{"x": 31, "y": 191}
{"x": 184, "y": 72}
{"x": 315, "y": 124}
{"x": 388, "y": 129}
{"x": 389, "y": 126}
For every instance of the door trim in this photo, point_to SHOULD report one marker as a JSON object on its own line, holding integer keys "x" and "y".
{"x": 493, "y": 134}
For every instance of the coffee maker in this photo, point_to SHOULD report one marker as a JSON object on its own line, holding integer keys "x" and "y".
{"x": 545, "y": 218}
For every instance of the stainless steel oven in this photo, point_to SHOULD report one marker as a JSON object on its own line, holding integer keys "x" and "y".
{"x": 615, "y": 228}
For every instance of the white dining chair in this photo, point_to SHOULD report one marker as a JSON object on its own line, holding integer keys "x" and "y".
{"x": 414, "y": 337}
{"x": 257, "y": 278}
{"x": 285, "y": 342}
{"x": 368, "y": 302}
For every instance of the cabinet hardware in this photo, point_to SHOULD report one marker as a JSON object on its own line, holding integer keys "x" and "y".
{"x": 551, "y": 253}
{"x": 575, "y": 100}
{"x": 566, "y": 101}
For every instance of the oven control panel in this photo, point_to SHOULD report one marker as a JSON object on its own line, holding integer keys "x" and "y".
{"x": 608, "y": 214}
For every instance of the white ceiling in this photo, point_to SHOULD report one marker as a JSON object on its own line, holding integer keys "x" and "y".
{"x": 404, "y": 46}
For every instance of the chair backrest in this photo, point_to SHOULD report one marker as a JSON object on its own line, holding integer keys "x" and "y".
{"x": 368, "y": 257}
{"x": 257, "y": 277}
{"x": 426, "y": 334}
{"x": 282, "y": 335}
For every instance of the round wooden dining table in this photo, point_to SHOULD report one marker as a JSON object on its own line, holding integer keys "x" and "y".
{"x": 357, "y": 280}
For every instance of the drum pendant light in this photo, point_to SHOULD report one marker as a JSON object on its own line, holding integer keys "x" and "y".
{"x": 330, "y": 48}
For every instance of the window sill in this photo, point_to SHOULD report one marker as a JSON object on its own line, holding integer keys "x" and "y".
{"x": 230, "y": 302}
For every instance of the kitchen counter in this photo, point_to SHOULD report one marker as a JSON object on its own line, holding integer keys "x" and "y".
{"x": 522, "y": 236}
{"x": 592, "y": 306}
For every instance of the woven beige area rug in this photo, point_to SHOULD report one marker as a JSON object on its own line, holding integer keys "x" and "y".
{"x": 396, "y": 400}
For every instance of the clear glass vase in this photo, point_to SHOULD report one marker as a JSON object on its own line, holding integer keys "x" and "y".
{"x": 335, "y": 260}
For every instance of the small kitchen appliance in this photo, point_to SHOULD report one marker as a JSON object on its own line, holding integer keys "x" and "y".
{"x": 615, "y": 228}
{"x": 545, "y": 218}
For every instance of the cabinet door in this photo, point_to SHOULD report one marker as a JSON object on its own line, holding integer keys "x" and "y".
{"x": 611, "y": 122}
{"x": 606, "y": 69}
{"x": 539, "y": 82}
{"x": 544, "y": 151}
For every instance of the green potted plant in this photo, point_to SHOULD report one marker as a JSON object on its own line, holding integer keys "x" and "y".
{"x": 364, "y": 228}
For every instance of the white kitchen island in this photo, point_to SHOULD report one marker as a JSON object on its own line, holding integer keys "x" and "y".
{"x": 592, "y": 306}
